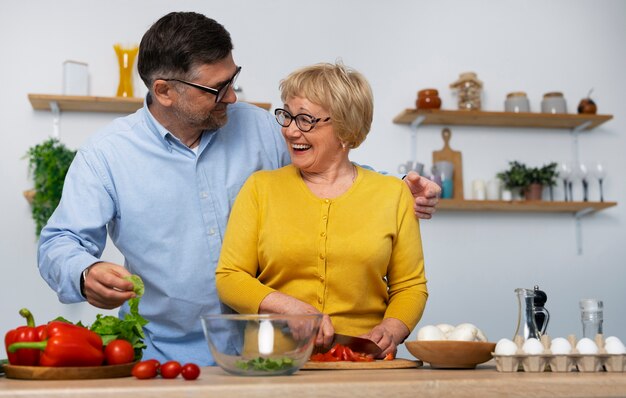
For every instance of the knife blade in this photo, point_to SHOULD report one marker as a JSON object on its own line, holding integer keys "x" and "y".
{"x": 356, "y": 344}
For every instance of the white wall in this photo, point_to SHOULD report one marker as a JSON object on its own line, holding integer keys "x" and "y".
{"x": 474, "y": 260}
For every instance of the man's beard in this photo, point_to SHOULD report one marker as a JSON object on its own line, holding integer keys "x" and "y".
{"x": 212, "y": 120}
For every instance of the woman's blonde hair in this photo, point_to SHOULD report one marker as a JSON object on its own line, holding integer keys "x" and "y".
{"x": 344, "y": 92}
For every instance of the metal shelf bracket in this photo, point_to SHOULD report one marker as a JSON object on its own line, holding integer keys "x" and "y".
{"x": 56, "y": 119}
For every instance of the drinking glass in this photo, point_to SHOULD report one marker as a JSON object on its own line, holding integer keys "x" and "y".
{"x": 582, "y": 174}
{"x": 565, "y": 172}
{"x": 599, "y": 172}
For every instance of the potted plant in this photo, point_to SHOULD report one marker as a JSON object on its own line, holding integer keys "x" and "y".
{"x": 529, "y": 180}
{"x": 539, "y": 177}
{"x": 515, "y": 178}
{"x": 48, "y": 163}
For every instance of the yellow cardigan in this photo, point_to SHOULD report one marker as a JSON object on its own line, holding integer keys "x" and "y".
{"x": 357, "y": 257}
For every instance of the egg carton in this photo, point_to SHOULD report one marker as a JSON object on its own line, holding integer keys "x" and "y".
{"x": 547, "y": 361}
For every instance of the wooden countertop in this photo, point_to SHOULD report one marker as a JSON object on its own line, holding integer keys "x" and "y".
{"x": 397, "y": 383}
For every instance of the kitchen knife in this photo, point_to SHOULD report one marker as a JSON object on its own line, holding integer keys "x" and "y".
{"x": 356, "y": 344}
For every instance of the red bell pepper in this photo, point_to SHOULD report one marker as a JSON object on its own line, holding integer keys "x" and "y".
{"x": 28, "y": 333}
{"x": 341, "y": 353}
{"x": 66, "y": 345}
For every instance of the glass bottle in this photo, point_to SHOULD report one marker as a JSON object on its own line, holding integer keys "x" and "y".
{"x": 591, "y": 317}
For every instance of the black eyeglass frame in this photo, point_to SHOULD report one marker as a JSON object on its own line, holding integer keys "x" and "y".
{"x": 313, "y": 121}
{"x": 219, "y": 93}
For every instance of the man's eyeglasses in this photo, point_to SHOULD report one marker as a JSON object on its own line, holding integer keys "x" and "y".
{"x": 219, "y": 93}
{"x": 304, "y": 122}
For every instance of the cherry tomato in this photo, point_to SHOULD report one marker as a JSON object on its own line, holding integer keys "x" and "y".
{"x": 170, "y": 370}
{"x": 190, "y": 371}
{"x": 118, "y": 352}
{"x": 146, "y": 369}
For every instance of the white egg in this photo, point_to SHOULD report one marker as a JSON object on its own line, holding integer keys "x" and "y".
{"x": 532, "y": 346}
{"x": 587, "y": 346}
{"x": 613, "y": 345}
{"x": 560, "y": 346}
{"x": 445, "y": 328}
{"x": 480, "y": 336}
{"x": 463, "y": 332}
{"x": 505, "y": 347}
{"x": 430, "y": 332}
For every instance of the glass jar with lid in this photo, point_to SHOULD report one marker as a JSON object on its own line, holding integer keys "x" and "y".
{"x": 469, "y": 90}
{"x": 428, "y": 98}
{"x": 516, "y": 102}
{"x": 553, "y": 102}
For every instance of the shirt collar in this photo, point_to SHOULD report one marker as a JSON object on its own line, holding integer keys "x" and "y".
{"x": 166, "y": 137}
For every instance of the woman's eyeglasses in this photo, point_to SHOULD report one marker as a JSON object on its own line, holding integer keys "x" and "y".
{"x": 304, "y": 122}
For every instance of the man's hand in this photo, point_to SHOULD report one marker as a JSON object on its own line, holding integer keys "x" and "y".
{"x": 425, "y": 192}
{"x": 105, "y": 286}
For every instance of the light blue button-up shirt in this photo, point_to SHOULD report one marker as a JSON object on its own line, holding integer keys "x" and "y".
{"x": 165, "y": 208}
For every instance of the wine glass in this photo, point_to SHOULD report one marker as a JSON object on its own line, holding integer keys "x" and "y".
{"x": 565, "y": 172}
{"x": 582, "y": 173}
{"x": 599, "y": 172}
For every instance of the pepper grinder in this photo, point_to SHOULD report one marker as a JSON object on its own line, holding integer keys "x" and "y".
{"x": 541, "y": 313}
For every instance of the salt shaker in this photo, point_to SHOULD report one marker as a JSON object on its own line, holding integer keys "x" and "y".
{"x": 591, "y": 317}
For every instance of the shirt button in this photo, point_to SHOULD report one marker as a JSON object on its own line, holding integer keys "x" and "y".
{"x": 327, "y": 201}
{"x": 204, "y": 195}
{"x": 319, "y": 300}
{"x": 211, "y": 231}
{"x": 321, "y": 279}
{"x": 323, "y": 234}
{"x": 322, "y": 256}
{"x": 324, "y": 218}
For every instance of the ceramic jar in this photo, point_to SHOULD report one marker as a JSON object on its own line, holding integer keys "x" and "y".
{"x": 428, "y": 99}
{"x": 553, "y": 102}
{"x": 469, "y": 90}
{"x": 516, "y": 102}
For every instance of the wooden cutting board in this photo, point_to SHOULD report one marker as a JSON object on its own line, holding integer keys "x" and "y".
{"x": 67, "y": 373}
{"x": 398, "y": 363}
{"x": 450, "y": 155}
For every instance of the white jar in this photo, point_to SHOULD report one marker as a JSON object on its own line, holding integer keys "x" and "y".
{"x": 516, "y": 102}
{"x": 553, "y": 103}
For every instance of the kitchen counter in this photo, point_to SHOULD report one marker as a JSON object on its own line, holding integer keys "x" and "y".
{"x": 397, "y": 383}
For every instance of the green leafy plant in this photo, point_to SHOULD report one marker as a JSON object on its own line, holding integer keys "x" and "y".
{"x": 545, "y": 175}
{"x": 516, "y": 176}
{"x": 48, "y": 163}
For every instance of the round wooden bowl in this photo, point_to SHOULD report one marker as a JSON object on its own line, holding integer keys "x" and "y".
{"x": 446, "y": 354}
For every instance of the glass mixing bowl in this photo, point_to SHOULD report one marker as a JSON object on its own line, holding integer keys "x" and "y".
{"x": 261, "y": 344}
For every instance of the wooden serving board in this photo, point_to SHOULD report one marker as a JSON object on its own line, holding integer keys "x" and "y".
{"x": 378, "y": 364}
{"x": 67, "y": 373}
{"x": 447, "y": 154}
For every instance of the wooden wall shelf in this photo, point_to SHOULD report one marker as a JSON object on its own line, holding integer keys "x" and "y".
{"x": 502, "y": 119}
{"x": 537, "y": 206}
{"x": 78, "y": 103}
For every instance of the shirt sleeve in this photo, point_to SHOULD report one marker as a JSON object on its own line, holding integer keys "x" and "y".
{"x": 236, "y": 273}
{"x": 75, "y": 234}
{"x": 406, "y": 276}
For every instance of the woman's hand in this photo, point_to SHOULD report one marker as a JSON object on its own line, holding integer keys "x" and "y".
{"x": 280, "y": 303}
{"x": 388, "y": 334}
{"x": 105, "y": 286}
{"x": 425, "y": 194}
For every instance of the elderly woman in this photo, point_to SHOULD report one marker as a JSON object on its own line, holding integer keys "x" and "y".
{"x": 324, "y": 235}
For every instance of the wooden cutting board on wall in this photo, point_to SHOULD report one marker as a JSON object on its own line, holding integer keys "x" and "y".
{"x": 450, "y": 155}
